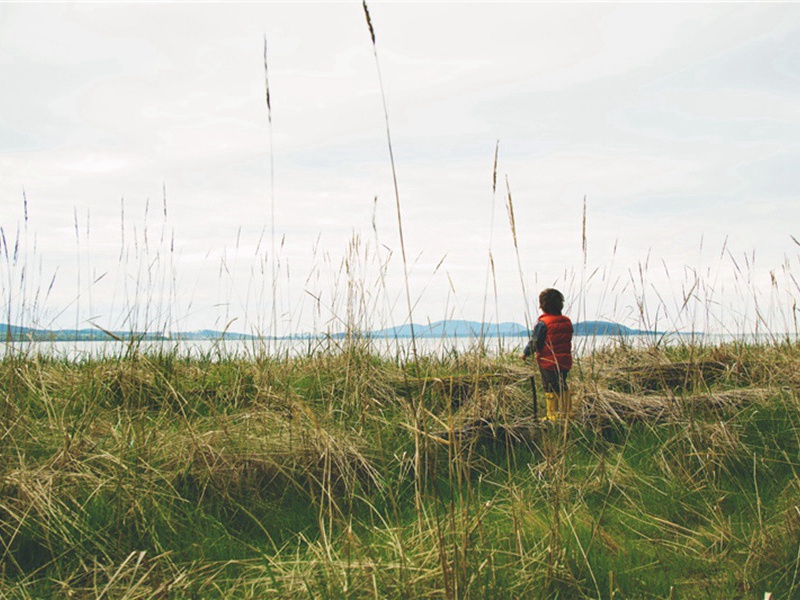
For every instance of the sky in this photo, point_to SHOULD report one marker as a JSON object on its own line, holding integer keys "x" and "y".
{"x": 650, "y": 152}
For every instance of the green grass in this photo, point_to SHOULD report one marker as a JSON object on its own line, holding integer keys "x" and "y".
{"x": 347, "y": 475}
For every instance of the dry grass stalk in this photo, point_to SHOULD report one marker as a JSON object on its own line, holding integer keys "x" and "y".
{"x": 394, "y": 181}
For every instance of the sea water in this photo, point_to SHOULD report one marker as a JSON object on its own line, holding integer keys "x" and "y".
{"x": 395, "y": 348}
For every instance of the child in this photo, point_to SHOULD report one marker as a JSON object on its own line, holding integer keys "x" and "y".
{"x": 552, "y": 346}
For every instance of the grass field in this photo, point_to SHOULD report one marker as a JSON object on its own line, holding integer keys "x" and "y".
{"x": 351, "y": 476}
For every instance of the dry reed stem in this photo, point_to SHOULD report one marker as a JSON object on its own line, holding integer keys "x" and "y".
{"x": 394, "y": 182}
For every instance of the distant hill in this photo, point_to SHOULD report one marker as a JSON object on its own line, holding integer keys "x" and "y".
{"x": 606, "y": 328}
{"x": 438, "y": 329}
{"x": 452, "y": 328}
{"x": 16, "y": 333}
{"x": 460, "y": 328}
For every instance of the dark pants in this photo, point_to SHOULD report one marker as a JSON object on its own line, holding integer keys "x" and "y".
{"x": 554, "y": 381}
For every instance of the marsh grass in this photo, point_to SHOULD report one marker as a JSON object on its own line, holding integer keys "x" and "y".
{"x": 344, "y": 472}
{"x": 173, "y": 476}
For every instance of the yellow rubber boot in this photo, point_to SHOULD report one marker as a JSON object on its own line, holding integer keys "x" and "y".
{"x": 551, "y": 400}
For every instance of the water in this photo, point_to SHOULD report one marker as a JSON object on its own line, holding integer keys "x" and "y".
{"x": 227, "y": 349}
{"x": 387, "y": 347}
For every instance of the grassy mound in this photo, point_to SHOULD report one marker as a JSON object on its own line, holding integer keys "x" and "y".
{"x": 348, "y": 475}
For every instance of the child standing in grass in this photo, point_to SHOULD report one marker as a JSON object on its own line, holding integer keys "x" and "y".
{"x": 552, "y": 346}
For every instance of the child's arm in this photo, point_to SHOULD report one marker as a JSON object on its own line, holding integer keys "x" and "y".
{"x": 539, "y": 335}
{"x": 527, "y": 351}
{"x": 537, "y": 340}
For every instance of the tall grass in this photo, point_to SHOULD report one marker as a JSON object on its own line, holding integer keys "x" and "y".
{"x": 394, "y": 178}
{"x": 147, "y": 474}
{"x": 346, "y": 472}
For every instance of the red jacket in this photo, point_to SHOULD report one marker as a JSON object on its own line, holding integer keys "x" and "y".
{"x": 556, "y": 355}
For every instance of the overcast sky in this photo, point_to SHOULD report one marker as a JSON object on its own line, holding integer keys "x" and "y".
{"x": 678, "y": 123}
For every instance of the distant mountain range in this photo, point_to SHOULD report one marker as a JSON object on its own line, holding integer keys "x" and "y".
{"x": 14, "y": 332}
{"x": 448, "y": 328}
{"x": 460, "y": 328}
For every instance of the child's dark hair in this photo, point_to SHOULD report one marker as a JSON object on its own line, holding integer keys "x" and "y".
{"x": 551, "y": 301}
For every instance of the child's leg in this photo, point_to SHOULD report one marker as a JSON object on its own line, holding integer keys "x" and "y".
{"x": 550, "y": 386}
{"x": 568, "y": 407}
{"x": 565, "y": 399}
